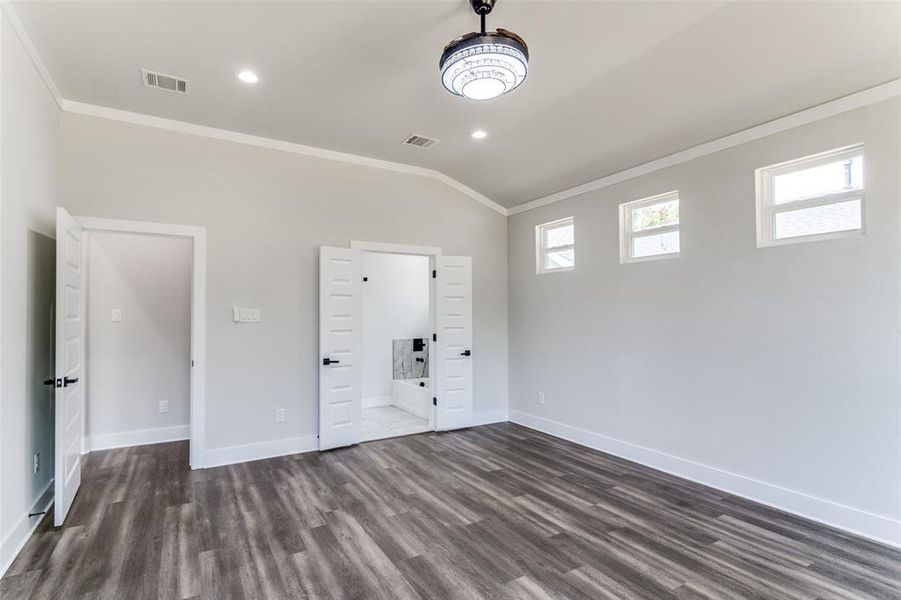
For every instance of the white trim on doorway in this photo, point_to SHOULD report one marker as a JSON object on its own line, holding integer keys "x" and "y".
{"x": 395, "y": 248}
{"x": 198, "y": 313}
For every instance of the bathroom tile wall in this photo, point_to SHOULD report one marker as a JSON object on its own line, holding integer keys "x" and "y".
{"x": 411, "y": 358}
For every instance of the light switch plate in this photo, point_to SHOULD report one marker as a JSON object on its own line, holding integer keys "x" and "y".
{"x": 245, "y": 315}
{"x": 164, "y": 406}
{"x": 250, "y": 315}
{"x": 116, "y": 315}
{"x": 540, "y": 398}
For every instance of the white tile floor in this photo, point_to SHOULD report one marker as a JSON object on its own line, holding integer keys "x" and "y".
{"x": 390, "y": 421}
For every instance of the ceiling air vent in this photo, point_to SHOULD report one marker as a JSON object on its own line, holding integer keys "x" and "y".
{"x": 167, "y": 83}
{"x": 420, "y": 141}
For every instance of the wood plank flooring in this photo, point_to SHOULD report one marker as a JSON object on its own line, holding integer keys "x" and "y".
{"x": 498, "y": 511}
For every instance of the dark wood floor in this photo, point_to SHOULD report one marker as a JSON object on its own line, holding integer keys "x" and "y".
{"x": 490, "y": 512}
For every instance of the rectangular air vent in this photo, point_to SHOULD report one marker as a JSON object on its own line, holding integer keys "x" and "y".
{"x": 166, "y": 83}
{"x": 420, "y": 141}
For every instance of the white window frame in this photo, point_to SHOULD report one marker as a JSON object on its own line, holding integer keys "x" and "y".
{"x": 767, "y": 209}
{"x": 626, "y": 234}
{"x": 541, "y": 248}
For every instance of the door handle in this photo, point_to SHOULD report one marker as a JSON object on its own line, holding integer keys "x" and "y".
{"x": 50, "y": 381}
{"x": 466, "y": 353}
{"x": 68, "y": 381}
{"x": 330, "y": 361}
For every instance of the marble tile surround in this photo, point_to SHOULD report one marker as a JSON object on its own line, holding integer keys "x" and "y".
{"x": 404, "y": 359}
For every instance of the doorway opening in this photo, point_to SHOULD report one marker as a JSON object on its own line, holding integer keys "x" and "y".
{"x": 395, "y": 350}
{"x": 72, "y": 381}
{"x": 138, "y": 340}
{"x": 445, "y": 351}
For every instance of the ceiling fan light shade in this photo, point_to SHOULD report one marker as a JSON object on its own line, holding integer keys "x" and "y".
{"x": 483, "y": 66}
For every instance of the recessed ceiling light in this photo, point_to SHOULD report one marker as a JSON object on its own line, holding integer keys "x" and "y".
{"x": 479, "y": 134}
{"x": 248, "y": 77}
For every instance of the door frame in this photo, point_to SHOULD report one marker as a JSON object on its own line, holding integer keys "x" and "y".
{"x": 197, "y": 235}
{"x": 359, "y": 247}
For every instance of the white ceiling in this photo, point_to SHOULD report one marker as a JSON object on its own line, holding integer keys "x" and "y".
{"x": 611, "y": 84}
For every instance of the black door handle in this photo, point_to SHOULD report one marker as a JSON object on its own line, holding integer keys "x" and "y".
{"x": 67, "y": 381}
{"x": 330, "y": 361}
{"x": 466, "y": 353}
{"x": 49, "y": 381}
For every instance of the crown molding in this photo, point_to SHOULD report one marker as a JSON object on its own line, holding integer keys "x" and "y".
{"x": 115, "y": 114}
{"x": 860, "y": 99}
{"x": 16, "y": 23}
{"x": 224, "y": 134}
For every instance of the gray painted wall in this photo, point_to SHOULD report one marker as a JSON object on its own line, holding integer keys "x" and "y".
{"x": 776, "y": 364}
{"x": 29, "y": 121}
{"x": 266, "y": 213}
{"x": 135, "y": 363}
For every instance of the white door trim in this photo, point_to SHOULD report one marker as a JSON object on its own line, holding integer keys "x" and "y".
{"x": 198, "y": 312}
{"x": 394, "y": 248}
{"x": 359, "y": 247}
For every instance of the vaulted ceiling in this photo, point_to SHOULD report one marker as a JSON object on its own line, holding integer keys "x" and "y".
{"x": 611, "y": 84}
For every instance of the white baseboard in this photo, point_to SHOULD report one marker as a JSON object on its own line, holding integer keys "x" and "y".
{"x": 15, "y": 540}
{"x": 491, "y": 416}
{"x": 218, "y": 457}
{"x": 859, "y": 522}
{"x": 376, "y": 401}
{"x": 138, "y": 437}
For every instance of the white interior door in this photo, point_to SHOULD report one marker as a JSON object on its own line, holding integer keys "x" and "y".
{"x": 340, "y": 342}
{"x": 70, "y": 311}
{"x": 453, "y": 348}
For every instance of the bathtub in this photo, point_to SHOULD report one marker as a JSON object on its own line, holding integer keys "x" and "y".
{"x": 412, "y": 395}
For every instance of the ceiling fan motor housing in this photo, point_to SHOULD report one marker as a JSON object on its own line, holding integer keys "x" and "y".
{"x": 482, "y": 7}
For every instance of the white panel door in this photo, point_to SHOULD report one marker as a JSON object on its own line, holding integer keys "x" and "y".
{"x": 340, "y": 341}
{"x": 453, "y": 348}
{"x": 70, "y": 312}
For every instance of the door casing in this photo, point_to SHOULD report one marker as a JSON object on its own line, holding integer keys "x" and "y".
{"x": 358, "y": 247}
{"x": 198, "y": 312}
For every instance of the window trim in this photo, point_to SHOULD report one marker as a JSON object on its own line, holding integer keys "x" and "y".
{"x": 626, "y": 234}
{"x": 767, "y": 209}
{"x": 541, "y": 250}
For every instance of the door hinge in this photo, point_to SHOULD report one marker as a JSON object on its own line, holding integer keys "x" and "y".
{"x": 434, "y": 273}
{"x": 434, "y": 401}
{"x": 434, "y": 337}
{"x": 192, "y": 362}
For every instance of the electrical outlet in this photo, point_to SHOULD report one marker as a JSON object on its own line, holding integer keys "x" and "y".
{"x": 116, "y": 315}
{"x": 540, "y": 398}
{"x": 37, "y": 462}
{"x": 279, "y": 415}
{"x": 164, "y": 406}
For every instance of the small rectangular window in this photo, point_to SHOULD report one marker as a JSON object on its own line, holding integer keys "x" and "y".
{"x": 811, "y": 198}
{"x": 555, "y": 246}
{"x": 649, "y": 228}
